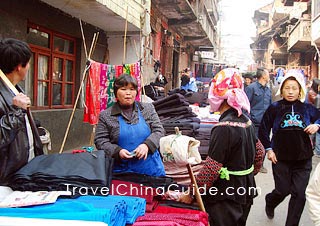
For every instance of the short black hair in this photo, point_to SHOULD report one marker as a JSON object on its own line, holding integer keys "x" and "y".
{"x": 260, "y": 72}
{"x": 315, "y": 84}
{"x": 12, "y": 53}
{"x": 124, "y": 80}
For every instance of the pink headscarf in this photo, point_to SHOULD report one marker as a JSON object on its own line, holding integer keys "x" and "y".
{"x": 228, "y": 85}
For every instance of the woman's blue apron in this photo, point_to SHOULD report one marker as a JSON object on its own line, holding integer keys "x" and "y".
{"x": 131, "y": 136}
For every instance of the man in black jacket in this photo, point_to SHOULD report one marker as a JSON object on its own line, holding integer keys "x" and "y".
{"x": 19, "y": 142}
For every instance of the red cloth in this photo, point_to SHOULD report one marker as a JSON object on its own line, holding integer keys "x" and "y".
{"x": 156, "y": 223}
{"x": 180, "y": 218}
{"x": 167, "y": 209}
{"x": 92, "y": 101}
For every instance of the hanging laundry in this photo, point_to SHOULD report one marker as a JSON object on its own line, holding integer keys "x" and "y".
{"x": 92, "y": 99}
{"x": 99, "y": 87}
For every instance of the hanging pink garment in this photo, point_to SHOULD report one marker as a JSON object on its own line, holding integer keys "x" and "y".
{"x": 137, "y": 75}
{"x": 103, "y": 86}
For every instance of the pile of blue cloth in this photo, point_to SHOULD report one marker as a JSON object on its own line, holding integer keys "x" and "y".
{"x": 112, "y": 210}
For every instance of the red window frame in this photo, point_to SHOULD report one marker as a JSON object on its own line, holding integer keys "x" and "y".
{"x": 52, "y": 54}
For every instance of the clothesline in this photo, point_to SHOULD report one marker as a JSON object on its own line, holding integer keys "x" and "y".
{"x": 99, "y": 87}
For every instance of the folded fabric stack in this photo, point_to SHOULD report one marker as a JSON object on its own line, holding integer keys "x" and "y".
{"x": 173, "y": 216}
{"x": 143, "y": 179}
{"x": 137, "y": 190}
{"x": 174, "y": 111}
{"x": 180, "y": 174}
{"x": 112, "y": 210}
{"x": 203, "y": 135}
{"x": 61, "y": 172}
{"x": 133, "y": 206}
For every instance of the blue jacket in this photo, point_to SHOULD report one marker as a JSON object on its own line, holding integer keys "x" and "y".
{"x": 282, "y": 116}
{"x": 260, "y": 98}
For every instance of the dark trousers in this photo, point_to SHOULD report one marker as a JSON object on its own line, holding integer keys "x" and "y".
{"x": 227, "y": 213}
{"x": 291, "y": 178}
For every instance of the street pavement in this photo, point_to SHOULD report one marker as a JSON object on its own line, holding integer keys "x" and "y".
{"x": 257, "y": 216}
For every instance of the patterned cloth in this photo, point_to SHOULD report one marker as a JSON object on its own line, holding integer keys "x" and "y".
{"x": 258, "y": 160}
{"x": 227, "y": 85}
{"x": 209, "y": 173}
{"x": 99, "y": 87}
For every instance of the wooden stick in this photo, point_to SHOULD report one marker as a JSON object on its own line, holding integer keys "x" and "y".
{"x": 125, "y": 38}
{"x": 141, "y": 73}
{"x": 78, "y": 95}
{"x": 8, "y": 83}
{"x": 83, "y": 40}
{"x": 196, "y": 188}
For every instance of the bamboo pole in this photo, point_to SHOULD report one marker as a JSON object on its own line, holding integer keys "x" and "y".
{"x": 196, "y": 188}
{"x": 78, "y": 95}
{"x": 141, "y": 73}
{"x": 125, "y": 38}
{"x": 83, "y": 39}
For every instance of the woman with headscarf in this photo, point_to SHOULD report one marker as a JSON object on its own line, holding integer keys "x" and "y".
{"x": 228, "y": 172}
{"x": 290, "y": 149}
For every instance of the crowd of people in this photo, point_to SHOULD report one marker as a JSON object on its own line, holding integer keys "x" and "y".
{"x": 130, "y": 131}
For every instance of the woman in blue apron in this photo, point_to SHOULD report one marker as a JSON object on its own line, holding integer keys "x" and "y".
{"x": 130, "y": 131}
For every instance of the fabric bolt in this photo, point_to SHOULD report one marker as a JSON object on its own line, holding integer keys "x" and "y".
{"x": 113, "y": 210}
{"x": 175, "y": 111}
{"x": 180, "y": 218}
{"x": 69, "y": 210}
{"x": 133, "y": 189}
{"x": 170, "y": 103}
{"x": 144, "y": 179}
{"x": 203, "y": 216}
{"x": 49, "y": 172}
{"x": 180, "y": 174}
{"x": 156, "y": 223}
{"x": 168, "y": 98}
{"x": 133, "y": 207}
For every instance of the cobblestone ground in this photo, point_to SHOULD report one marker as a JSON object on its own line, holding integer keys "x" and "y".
{"x": 257, "y": 216}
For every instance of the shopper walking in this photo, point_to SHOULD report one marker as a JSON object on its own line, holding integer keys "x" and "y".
{"x": 290, "y": 149}
{"x": 259, "y": 95}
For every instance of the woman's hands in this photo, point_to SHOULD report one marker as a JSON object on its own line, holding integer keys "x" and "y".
{"x": 272, "y": 156}
{"x": 125, "y": 154}
{"x": 311, "y": 129}
{"x": 140, "y": 152}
